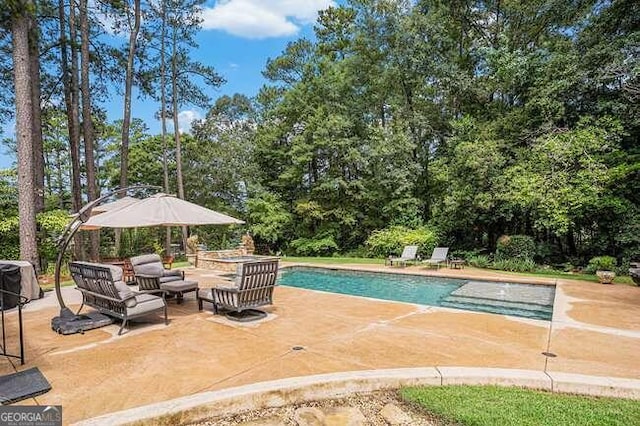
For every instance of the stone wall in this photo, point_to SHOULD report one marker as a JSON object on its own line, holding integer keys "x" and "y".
{"x": 206, "y": 258}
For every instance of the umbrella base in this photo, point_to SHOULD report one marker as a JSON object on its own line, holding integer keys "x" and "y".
{"x": 70, "y": 323}
{"x": 246, "y": 316}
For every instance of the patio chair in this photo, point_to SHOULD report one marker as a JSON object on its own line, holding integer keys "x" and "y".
{"x": 151, "y": 276}
{"x": 438, "y": 257}
{"x": 408, "y": 255}
{"x": 253, "y": 287}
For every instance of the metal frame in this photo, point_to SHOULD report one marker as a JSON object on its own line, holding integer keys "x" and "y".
{"x": 21, "y": 302}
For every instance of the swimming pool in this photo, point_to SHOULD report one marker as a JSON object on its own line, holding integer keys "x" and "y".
{"x": 522, "y": 300}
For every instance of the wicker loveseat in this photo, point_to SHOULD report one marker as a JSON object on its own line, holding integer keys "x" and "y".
{"x": 102, "y": 288}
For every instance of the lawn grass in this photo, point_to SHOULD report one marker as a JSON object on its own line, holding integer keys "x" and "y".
{"x": 493, "y": 405}
{"x": 333, "y": 260}
{"x": 569, "y": 276}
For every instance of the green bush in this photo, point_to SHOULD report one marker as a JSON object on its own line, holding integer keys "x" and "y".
{"x": 479, "y": 261}
{"x": 514, "y": 265}
{"x": 515, "y": 247}
{"x": 601, "y": 263}
{"x": 322, "y": 245}
{"x": 391, "y": 241}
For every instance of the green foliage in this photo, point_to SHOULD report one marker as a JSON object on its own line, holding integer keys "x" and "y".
{"x": 494, "y": 405}
{"x": 515, "y": 247}
{"x": 384, "y": 242}
{"x": 479, "y": 261}
{"x": 514, "y": 265}
{"x": 322, "y": 245}
{"x": 268, "y": 218}
{"x": 601, "y": 263}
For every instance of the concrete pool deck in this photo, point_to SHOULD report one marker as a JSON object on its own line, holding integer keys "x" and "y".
{"x": 595, "y": 331}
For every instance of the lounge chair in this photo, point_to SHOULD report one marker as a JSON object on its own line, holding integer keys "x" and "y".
{"x": 252, "y": 287}
{"x": 438, "y": 257}
{"x": 151, "y": 276}
{"x": 408, "y": 255}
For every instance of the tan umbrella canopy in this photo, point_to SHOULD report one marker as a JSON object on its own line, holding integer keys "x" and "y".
{"x": 159, "y": 210}
{"x": 115, "y": 205}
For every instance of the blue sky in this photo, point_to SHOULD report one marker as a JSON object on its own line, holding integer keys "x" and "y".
{"x": 237, "y": 38}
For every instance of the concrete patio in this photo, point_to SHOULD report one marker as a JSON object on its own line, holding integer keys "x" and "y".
{"x": 595, "y": 331}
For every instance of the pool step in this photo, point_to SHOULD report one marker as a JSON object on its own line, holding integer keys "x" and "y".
{"x": 498, "y": 307}
{"x": 499, "y": 303}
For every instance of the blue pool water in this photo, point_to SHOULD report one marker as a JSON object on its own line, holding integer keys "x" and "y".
{"x": 529, "y": 301}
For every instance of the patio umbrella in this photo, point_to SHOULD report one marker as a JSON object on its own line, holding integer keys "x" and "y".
{"x": 114, "y": 205}
{"x": 159, "y": 210}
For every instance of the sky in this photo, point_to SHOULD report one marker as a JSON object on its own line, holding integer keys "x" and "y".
{"x": 237, "y": 38}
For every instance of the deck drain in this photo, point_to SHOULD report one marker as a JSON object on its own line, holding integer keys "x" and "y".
{"x": 549, "y": 354}
{"x": 298, "y": 348}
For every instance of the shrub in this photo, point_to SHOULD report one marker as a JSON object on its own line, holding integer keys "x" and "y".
{"x": 515, "y": 247}
{"x": 479, "y": 261}
{"x": 515, "y": 265}
{"x": 322, "y": 245}
{"x": 601, "y": 263}
{"x": 392, "y": 240}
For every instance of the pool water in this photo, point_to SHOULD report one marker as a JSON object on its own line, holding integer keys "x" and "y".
{"x": 523, "y": 300}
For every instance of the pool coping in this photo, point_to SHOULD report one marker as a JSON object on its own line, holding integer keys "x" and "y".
{"x": 282, "y": 392}
{"x": 432, "y": 273}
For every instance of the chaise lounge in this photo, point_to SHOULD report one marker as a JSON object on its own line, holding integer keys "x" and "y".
{"x": 152, "y": 277}
{"x": 438, "y": 257}
{"x": 408, "y": 255}
{"x": 252, "y": 288}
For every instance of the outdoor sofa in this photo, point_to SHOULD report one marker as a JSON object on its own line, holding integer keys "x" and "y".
{"x": 102, "y": 288}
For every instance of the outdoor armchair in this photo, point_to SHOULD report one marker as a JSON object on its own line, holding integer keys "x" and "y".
{"x": 438, "y": 257}
{"x": 252, "y": 287}
{"x": 408, "y": 255}
{"x": 151, "y": 276}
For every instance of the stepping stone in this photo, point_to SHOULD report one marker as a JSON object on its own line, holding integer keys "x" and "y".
{"x": 265, "y": 421}
{"x": 394, "y": 415}
{"x": 309, "y": 416}
{"x": 332, "y": 416}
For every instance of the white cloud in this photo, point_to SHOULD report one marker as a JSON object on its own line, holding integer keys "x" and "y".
{"x": 258, "y": 19}
{"x": 185, "y": 118}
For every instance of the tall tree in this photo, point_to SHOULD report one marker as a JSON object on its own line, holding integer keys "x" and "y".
{"x": 126, "y": 121}
{"x": 22, "y": 10}
{"x": 87, "y": 121}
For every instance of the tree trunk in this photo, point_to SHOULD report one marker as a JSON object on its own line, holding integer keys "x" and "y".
{"x": 176, "y": 129}
{"x": 24, "y": 135}
{"x": 128, "y": 83}
{"x": 163, "y": 114}
{"x": 73, "y": 112}
{"x": 87, "y": 122}
{"x": 38, "y": 154}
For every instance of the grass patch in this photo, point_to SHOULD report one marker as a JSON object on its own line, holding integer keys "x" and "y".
{"x": 570, "y": 276}
{"x": 494, "y": 405}
{"x": 333, "y": 260}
